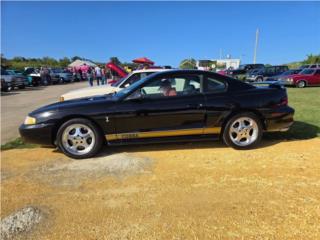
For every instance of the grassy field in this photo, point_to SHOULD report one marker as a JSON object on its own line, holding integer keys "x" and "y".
{"x": 305, "y": 101}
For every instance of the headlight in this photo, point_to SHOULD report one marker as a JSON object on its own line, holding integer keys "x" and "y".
{"x": 61, "y": 99}
{"x": 30, "y": 120}
{"x": 289, "y": 79}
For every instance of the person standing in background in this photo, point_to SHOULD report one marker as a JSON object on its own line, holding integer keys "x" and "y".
{"x": 98, "y": 74}
{"x": 103, "y": 76}
{"x": 89, "y": 76}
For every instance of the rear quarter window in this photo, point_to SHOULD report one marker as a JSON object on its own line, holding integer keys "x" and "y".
{"x": 215, "y": 85}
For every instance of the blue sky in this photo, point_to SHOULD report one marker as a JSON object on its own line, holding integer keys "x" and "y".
{"x": 166, "y": 32}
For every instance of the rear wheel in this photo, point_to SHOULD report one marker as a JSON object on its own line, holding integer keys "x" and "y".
{"x": 259, "y": 79}
{"x": 301, "y": 84}
{"x": 243, "y": 131}
{"x": 79, "y": 138}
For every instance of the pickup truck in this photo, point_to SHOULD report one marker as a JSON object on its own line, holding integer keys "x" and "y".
{"x": 265, "y": 73}
{"x": 10, "y": 80}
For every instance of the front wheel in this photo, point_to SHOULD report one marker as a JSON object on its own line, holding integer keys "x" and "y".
{"x": 79, "y": 138}
{"x": 259, "y": 79}
{"x": 243, "y": 131}
{"x": 301, "y": 84}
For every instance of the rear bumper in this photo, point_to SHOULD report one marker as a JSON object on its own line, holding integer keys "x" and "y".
{"x": 280, "y": 121}
{"x": 41, "y": 134}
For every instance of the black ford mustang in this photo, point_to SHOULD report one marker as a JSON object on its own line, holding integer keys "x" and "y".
{"x": 176, "y": 105}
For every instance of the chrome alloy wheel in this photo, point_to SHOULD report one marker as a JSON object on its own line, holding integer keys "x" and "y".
{"x": 78, "y": 139}
{"x": 243, "y": 131}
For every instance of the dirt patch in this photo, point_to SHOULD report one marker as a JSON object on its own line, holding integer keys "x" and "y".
{"x": 74, "y": 172}
{"x": 190, "y": 191}
{"x": 117, "y": 164}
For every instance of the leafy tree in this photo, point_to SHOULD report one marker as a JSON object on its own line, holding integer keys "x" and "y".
{"x": 115, "y": 60}
{"x": 75, "y": 58}
{"x": 188, "y": 64}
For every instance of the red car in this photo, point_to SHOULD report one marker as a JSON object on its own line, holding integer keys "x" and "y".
{"x": 307, "y": 77}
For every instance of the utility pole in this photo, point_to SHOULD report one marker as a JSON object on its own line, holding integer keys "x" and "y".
{"x": 256, "y": 46}
{"x": 220, "y": 53}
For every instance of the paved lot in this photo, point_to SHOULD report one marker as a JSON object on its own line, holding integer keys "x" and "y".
{"x": 169, "y": 191}
{"x": 17, "y": 104}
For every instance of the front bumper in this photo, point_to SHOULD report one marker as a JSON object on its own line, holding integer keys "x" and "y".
{"x": 286, "y": 82}
{"x": 251, "y": 79}
{"x": 41, "y": 134}
{"x": 280, "y": 121}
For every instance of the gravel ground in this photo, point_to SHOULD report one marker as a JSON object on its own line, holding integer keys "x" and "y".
{"x": 170, "y": 191}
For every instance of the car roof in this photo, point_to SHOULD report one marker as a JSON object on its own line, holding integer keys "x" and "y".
{"x": 150, "y": 70}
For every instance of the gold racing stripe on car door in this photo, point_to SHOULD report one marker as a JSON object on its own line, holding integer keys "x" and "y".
{"x": 165, "y": 133}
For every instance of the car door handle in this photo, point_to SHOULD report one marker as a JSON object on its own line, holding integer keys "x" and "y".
{"x": 200, "y": 105}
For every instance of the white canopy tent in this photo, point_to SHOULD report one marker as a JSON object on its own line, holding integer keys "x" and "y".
{"x": 79, "y": 63}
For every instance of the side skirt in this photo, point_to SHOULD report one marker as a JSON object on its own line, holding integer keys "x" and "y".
{"x": 190, "y": 138}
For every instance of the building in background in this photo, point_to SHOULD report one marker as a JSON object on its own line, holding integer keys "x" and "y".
{"x": 218, "y": 64}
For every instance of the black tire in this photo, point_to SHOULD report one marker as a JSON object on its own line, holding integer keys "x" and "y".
{"x": 226, "y": 135}
{"x": 301, "y": 84}
{"x": 22, "y": 87}
{"x": 62, "y": 80}
{"x": 259, "y": 79}
{"x": 96, "y": 131}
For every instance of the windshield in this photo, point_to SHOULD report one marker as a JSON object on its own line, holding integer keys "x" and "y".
{"x": 241, "y": 67}
{"x": 307, "y": 71}
{"x": 287, "y": 73}
{"x": 255, "y": 71}
{"x": 117, "y": 83}
{"x": 134, "y": 85}
{"x": 10, "y": 72}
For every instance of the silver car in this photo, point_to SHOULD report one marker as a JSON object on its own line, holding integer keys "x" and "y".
{"x": 10, "y": 80}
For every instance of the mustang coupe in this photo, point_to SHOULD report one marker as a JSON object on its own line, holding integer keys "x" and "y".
{"x": 175, "y": 105}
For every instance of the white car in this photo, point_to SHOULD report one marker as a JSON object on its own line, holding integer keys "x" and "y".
{"x": 106, "y": 89}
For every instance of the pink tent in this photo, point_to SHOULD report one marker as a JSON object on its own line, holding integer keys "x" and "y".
{"x": 84, "y": 68}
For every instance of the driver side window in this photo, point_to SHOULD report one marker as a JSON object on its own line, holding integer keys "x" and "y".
{"x": 166, "y": 87}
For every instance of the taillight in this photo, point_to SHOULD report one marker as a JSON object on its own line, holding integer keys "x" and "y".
{"x": 283, "y": 102}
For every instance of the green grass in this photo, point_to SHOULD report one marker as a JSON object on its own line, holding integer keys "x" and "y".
{"x": 17, "y": 143}
{"x": 306, "y": 103}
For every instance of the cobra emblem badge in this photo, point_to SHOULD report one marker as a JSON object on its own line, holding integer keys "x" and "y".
{"x": 107, "y": 119}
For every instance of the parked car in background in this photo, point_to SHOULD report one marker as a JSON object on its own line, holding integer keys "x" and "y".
{"x": 315, "y": 65}
{"x": 10, "y": 80}
{"x": 175, "y": 105}
{"x": 106, "y": 89}
{"x": 18, "y": 74}
{"x": 307, "y": 77}
{"x": 265, "y": 73}
{"x": 240, "y": 73}
{"x": 59, "y": 75}
{"x": 285, "y": 74}
{"x": 33, "y": 76}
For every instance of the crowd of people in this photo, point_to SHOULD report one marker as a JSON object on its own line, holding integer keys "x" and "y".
{"x": 99, "y": 74}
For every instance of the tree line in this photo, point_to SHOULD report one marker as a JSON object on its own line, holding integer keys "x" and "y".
{"x": 20, "y": 63}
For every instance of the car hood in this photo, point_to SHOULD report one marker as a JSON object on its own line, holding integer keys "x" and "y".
{"x": 300, "y": 75}
{"x": 75, "y": 103}
{"x": 89, "y": 92}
